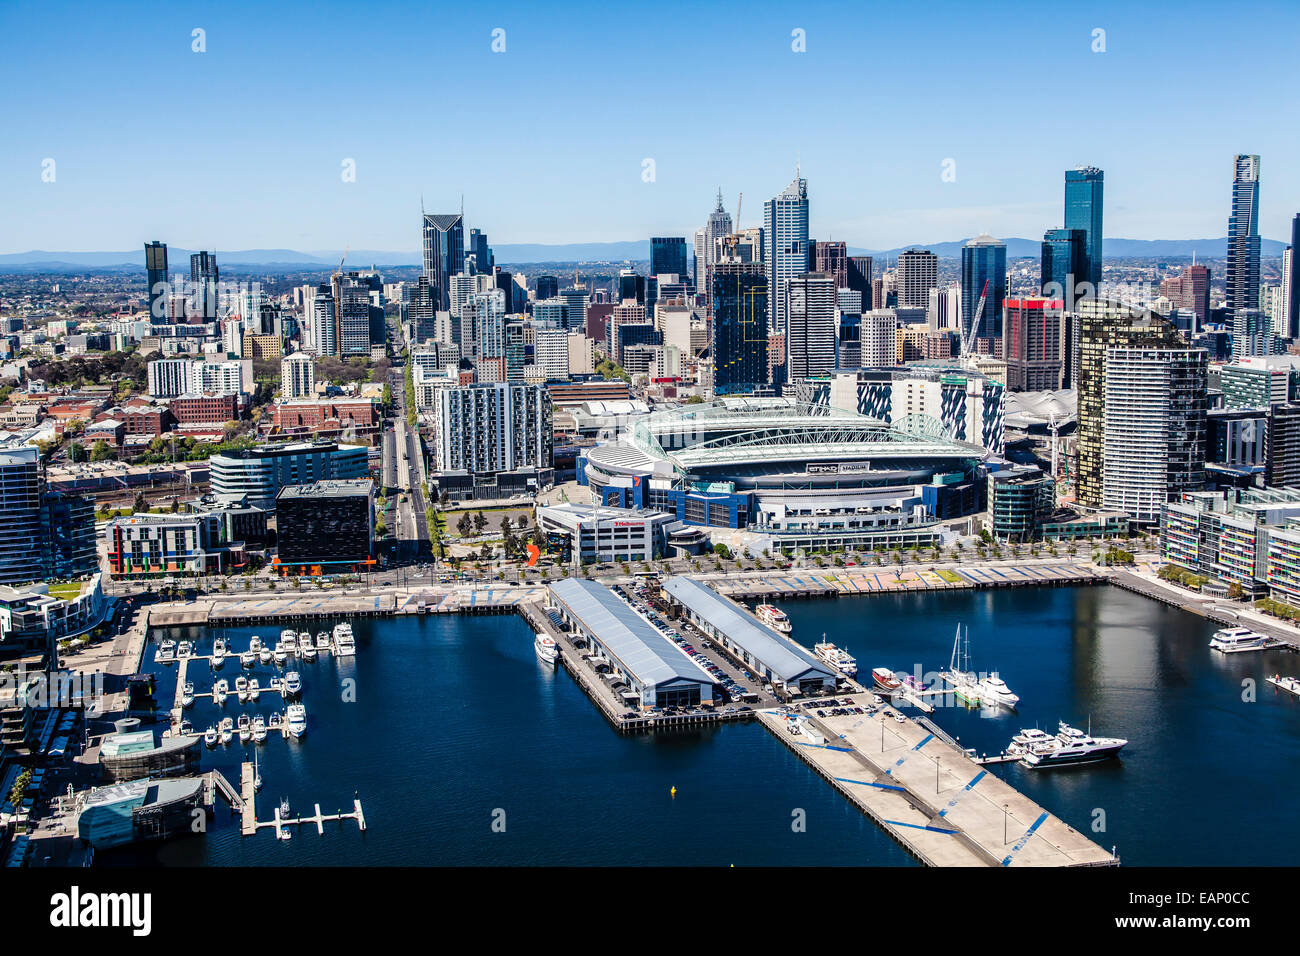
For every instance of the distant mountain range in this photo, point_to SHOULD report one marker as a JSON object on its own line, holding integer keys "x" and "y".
{"x": 507, "y": 253}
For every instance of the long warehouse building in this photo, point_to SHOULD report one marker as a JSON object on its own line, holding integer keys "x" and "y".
{"x": 657, "y": 672}
{"x": 778, "y": 660}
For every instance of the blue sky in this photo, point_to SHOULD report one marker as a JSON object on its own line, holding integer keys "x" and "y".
{"x": 241, "y": 146}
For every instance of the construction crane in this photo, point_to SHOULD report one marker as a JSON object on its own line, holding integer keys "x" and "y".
{"x": 969, "y": 333}
{"x": 346, "y": 247}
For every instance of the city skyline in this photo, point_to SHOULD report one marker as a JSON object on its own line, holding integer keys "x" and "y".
{"x": 288, "y": 190}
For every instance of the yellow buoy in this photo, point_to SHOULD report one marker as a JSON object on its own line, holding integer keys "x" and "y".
{"x": 673, "y": 791}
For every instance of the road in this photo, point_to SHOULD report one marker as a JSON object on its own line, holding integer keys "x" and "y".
{"x": 403, "y": 467}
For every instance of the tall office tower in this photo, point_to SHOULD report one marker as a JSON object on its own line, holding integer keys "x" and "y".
{"x": 878, "y": 293}
{"x": 1105, "y": 325}
{"x": 743, "y": 245}
{"x": 625, "y": 313}
{"x": 878, "y": 334}
{"x": 1063, "y": 264}
{"x": 1242, "y": 275}
{"x": 155, "y": 265}
{"x": 857, "y": 276}
{"x": 516, "y": 351}
{"x": 482, "y": 253}
{"x": 551, "y": 353}
{"x": 785, "y": 239}
{"x": 1154, "y": 444}
{"x": 1083, "y": 207}
{"x": 20, "y": 514}
{"x": 706, "y": 245}
{"x": 548, "y": 287}
{"x": 668, "y": 255}
{"x": 444, "y": 252}
{"x": 324, "y": 321}
{"x": 422, "y": 310}
{"x": 983, "y": 259}
{"x": 552, "y": 313}
{"x": 1194, "y": 293}
{"x": 1293, "y": 283}
{"x": 848, "y": 345}
{"x": 204, "y": 277}
{"x": 1035, "y": 344}
{"x": 352, "y": 309}
{"x": 578, "y": 301}
{"x": 170, "y": 378}
{"x": 811, "y": 329}
{"x": 944, "y": 311}
{"x": 739, "y": 341}
{"x": 297, "y": 376}
{"x": 1288, "y": 280}
{"x": 918, "y": 273}
{"x": 505, "y": 281}
{"x": 832, "y": 259}
{"x": 630, "y": 285}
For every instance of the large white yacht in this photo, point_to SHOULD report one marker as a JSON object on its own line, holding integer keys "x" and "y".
{"x": 1235, "y": 640}
{"x": 837, "y": 657}
{"x": 994, "y": 690}
{"x": 344, "y": 644}
{"x": 295, "y": 718}
{"x": 1069, "y": 747}
{"x": 546, "y": 648}
{"x": 773, "y": 617}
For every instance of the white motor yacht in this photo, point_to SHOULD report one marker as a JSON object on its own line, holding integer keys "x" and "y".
{"x": 259, "y": 729}
{"x": 1236, "y": 640}
{"x": 245, "y": 728}
{"x": 994, "y": 690}
{"x": 218, "y": 652}
{"x": 241, "y": 688}
{"x": 166, "y": 652}
{"x": 344, "y": 643}
{"x": 220, "y": 691}
{"x": 187, "y": 694}
{"x": 226, "y": 729}
{"x": 254, "y": 690}
{"x": 306, "y": 649}
{"x": 296, "y": 720}
{"x": 773, "y": 617}
{"x": 546, "y": 648}
{"x": 210, "y": 736}
{"x": 292, "y": 684}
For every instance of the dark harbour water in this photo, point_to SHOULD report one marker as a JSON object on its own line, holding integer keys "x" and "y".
{"x": 454, "y": 719}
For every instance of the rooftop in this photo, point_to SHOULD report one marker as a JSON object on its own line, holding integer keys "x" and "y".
{"x": 331, "y": 488}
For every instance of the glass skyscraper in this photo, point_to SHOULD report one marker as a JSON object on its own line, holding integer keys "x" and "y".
{"x": 668, "y": 255}
{"x": 785, "y": 225}
{"x": 1242, "y": 275}
{"x": 155, "y": 264}
{"x": 1064, "y": 263}
{"x": 983, "y": 259}
{"x": 740, "y": 339}
{"x": 444, "y": 252}
{"x": 1083, "y": 207}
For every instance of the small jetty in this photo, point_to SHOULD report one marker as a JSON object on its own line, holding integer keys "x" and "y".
{"x": 247, "y": 809}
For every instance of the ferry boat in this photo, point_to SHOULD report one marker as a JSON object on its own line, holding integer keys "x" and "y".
{"x": 259, "y": 729}
{"x": 210, "y": 736}
{"x": 166, "y": 652}
{"x": 245, "y": 728}
{"x": 1070, "y": 747}
{"x": 994, "y": 690}
{"x": 296, "y": 720}
{"x": 291, "y": 685}
{"x": 773, "y": 617}
{"x": 1235, "y": 640}
{"x": 885, "y": 679}
{"x": 218, "y": 652}
{"x": 254, "y": 691}
{"x": 546, "y": 648}
{"x": 306, "y": 649}
{"x": 1290, "y": 684}
{"x": 839, "y": 659}
{"x": 241, "y": 688}
{"x": 226, "y": 730}
{"x": 344, "y": 644}
{"x": 187, "y": 694}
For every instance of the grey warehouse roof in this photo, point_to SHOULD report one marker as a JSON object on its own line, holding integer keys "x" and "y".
{"x": 787, "y": 662}
{"x": 638, "y": 645}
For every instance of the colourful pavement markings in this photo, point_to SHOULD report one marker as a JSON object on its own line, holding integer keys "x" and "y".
{"x": 1024, "y": 839}
{"x": 868, "y": 783}
{"x": 920, "y": 826}
{"x": 964, "y": 790}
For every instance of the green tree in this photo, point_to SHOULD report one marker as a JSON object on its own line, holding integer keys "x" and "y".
{"x": 100, "y": 451}
{"x": 464, "y": 526}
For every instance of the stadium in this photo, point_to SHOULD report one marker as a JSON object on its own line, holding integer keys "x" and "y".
{"x": 801, "y": 473}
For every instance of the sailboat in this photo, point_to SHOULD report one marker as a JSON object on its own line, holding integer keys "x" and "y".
{"x": 964, "y": 682}
{"x": 257, "y": 773}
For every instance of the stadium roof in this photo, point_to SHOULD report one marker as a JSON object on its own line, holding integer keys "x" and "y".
{"x": 639, "y": 646}
{"x": 787, "y": 662}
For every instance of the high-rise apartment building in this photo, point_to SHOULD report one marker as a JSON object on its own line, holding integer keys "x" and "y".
{"x": 1241, "y": 276}
{"x": 1035, "y": 346}
{"x": 155, "y": 264}
{"x": 1292, "y": 284}
{"x": 297, "y": 376}
{"x": 811, "y": 327}
{"x": 204, "y": 280}
{"x": 1084, "y": 189}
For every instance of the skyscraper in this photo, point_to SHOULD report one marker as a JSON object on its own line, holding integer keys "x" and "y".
{"x": 918, "y": 273}
{"x": 547, "y": 287}
{"x": 832, "y": 259}
{"x": 1083, "y": 207}
{"x": 352, "y": 309}
{"x": 811, "y": 329}
{"x": 1063, "y": 263}
{"x": 706, "y": 244}
{"x": 668, "y": 256}
{"x": 324, "y": 321}
{"x": 739, "y": 344}
{"x": 858, "y": 278}
{"x": 204, "y": 277}
{"x": 444, "y": 252}
{"x": 983, "y": 259}
{"x": 1293, "y": 281}
{"x": 1242, "y": 274}
{"x": 478, "y": 248}
{"x": 785, "y": 236}
{"x": 155, "y": 264}
{"x": 422, "y": 310}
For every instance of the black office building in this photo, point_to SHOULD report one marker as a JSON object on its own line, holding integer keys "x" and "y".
{"x": 740, "y": 333}
{"x": 668, "y": 255}
{"x": 548, "y": 287}
{"x": 155, "y": 264}
{"x": 328, "y": 522}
